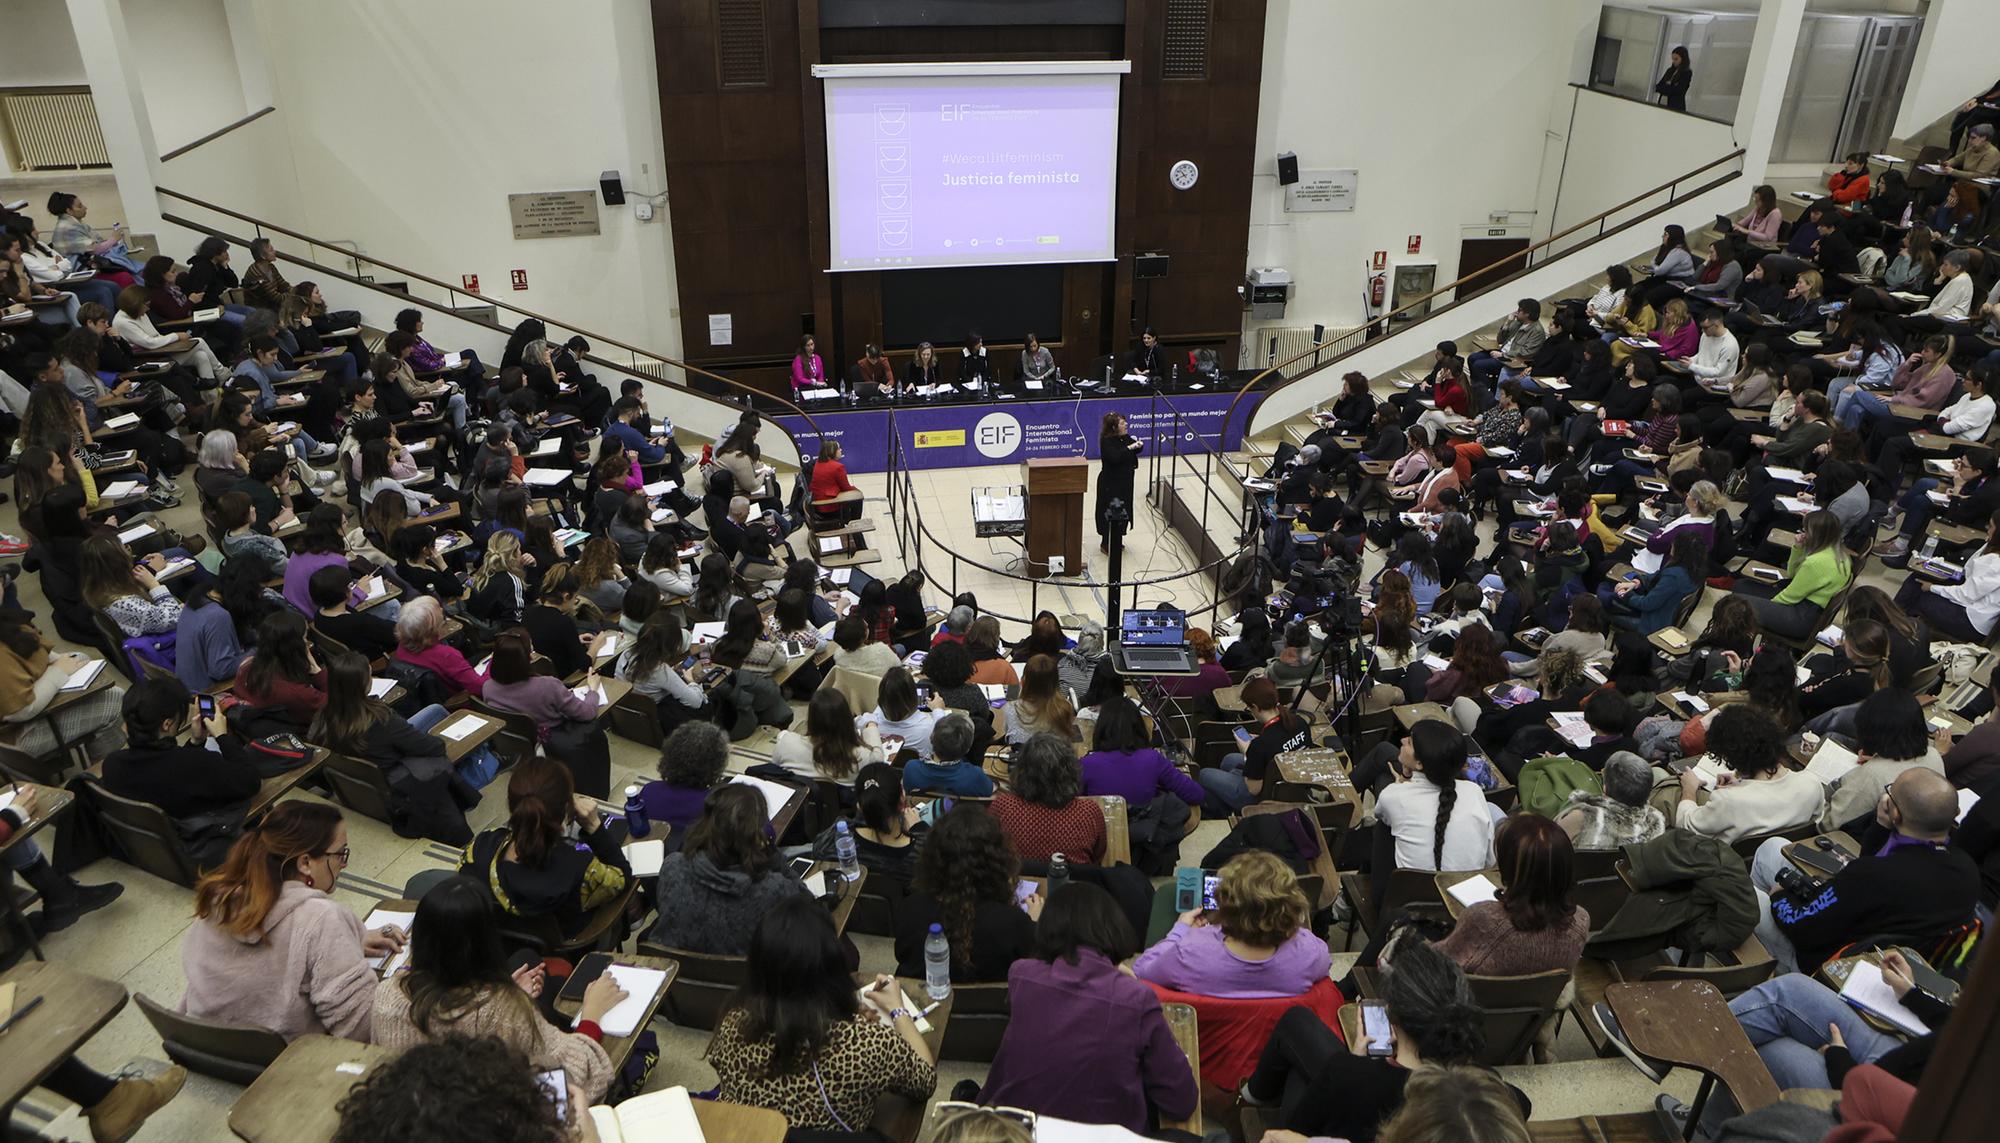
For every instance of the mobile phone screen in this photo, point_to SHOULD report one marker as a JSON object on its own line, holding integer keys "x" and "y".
{"x": 557, "y": 1085}
{"x": 800, "y": 866}
{"x": 1242, "y": 737}
{"x": 206, "y": 705}
{"x": 1208, "y": 884}
{"x": 1375, "y": 1025}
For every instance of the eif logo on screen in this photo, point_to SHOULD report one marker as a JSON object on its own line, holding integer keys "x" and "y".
{"x": 997, "y": 435}
{"x": 953, "y": 112}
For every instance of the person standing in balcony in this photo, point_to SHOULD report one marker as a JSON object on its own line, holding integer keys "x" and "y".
{"x": 1673, "y": 86}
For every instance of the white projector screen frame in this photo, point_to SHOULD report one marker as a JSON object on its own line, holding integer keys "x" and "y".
{"x": 938, "y": 165}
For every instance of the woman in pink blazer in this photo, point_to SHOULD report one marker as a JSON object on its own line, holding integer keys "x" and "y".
{"x": 808, "y": 372}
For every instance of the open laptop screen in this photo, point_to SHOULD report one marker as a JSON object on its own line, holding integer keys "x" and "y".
{"x": 1164, "y": 628}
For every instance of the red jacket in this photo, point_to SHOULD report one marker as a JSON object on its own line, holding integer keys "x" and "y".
{"x": 830, "y": 480}
{"x": 1847, "y": 188}
{"x": 1233, "y": 1032}
{"x": 1449, "y": 393}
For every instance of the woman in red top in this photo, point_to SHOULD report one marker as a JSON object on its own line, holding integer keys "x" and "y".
{"x": 1043, "y": 812}
{"x": 1449, "y": 389}
{"x": 829, "y": 482}
{"x": 283, "y": 673}
{"x": 1849, "y": 184}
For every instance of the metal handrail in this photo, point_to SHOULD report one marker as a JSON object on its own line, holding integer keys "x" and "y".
{"x": 1672, "y": 186}
{"x": 911, "y": 531}
{"x": 453, "y": 292}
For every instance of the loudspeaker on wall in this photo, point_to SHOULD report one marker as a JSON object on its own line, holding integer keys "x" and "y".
{"x": 613, "y": 187}
{"x": 1288, "y": 169}
{"x": 1150, "y": 265}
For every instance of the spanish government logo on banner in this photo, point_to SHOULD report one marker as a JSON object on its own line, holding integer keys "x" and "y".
{"x": 942, "y": 438}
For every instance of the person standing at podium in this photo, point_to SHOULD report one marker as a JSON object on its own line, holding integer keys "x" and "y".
{"x": 923, "y": 368}
{"x": 808, "y": 371}
{"x": 1120, "y": 454}
{"x": 1037, "y": 363}
{"x": 1146, "y": 359}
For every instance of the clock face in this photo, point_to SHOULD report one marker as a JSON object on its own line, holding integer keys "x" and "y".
{"x": 1183, "y": 174}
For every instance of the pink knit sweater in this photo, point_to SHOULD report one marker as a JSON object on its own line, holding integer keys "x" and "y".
{"x": 581, "y": 1058}
{"x": 304, "y": 973}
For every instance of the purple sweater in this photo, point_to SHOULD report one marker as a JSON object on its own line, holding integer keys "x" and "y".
{"x": 1088, "y": 1044}
{"x": 299, "y": 571}
{"x": 1190, "y": 959}
{"x": 544, "y": 698}
{"x": 1136, "y": 777}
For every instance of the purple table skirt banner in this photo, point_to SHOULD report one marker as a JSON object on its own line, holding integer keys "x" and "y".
{"x": 1008, "y": 432}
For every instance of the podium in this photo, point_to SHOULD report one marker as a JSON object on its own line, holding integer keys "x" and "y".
{"x": 1055, "y": 512}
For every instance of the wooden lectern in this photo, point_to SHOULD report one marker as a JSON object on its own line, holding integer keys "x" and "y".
{"x": 1055, "y": 513}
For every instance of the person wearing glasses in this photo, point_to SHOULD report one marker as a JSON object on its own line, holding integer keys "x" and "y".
{"x": 272, "y": 948}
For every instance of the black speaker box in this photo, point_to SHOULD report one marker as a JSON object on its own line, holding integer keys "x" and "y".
{"x": 1288, "y": 169}
{"x": 1150, "y": 265}
{"x": 613, "y": 188}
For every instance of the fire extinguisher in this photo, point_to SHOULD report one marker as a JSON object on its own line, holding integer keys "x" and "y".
{"x": 1378, "y": 289}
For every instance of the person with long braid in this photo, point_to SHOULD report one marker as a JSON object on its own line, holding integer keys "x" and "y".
{"x": 1432, "y": 817}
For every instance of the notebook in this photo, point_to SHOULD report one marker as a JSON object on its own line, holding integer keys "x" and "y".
{"x": 646, "y": 857}
{"x": 1473, "y": 890}
{"x": 1832, "y": 762}
{"x": 640, "y": 985}
{"x": 776, "y": 794}
{"x": 84, "y": 676}
{"x": 666, "y": 1116}
{"x": 1868, "y": 991}
{"x": 378, "y": 688}
{"x": 393, "y": 963}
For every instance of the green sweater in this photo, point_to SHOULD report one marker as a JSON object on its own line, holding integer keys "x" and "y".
{"x": 1815, "y": 577}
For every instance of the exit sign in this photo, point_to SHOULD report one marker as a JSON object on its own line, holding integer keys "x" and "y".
{"x": 1496, "y": 232}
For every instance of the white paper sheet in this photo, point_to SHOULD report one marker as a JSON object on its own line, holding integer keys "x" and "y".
{"x": 461, "y": 728}
{"x": 776, "y": 794}
{"x": 84, "y": 676}
{"x": 646, "y": 857}
{"x": 1867, "y": 990}
{"x": 640, "y": 985}
{"x": 1473, "y": 890}
{"x": 378, "y": 688}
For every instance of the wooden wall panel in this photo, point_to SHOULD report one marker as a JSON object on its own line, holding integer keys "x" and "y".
{"x": 750, "y": 232}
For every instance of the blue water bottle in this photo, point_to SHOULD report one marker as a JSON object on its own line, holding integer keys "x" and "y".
{"x": 636, "y": 824}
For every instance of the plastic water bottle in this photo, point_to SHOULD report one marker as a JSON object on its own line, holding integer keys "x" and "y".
{"x": 635, "y": 814}
{"x": 843, "y": 849}
{"x": 937, "y": 964}
{"x": 1058, "y": 873}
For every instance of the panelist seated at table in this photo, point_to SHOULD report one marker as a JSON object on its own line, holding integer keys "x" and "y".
{"x": 1148, "y": 359}
{"x": 922, "y": 369}
{"x": 872, "y": 375}
{"x": 974, "y": 366}
{"x": 463, "y": 982}
{"x": 1037, "y": 363}
{"x": 808, "y": 371}
{"x": 271, "y": 948}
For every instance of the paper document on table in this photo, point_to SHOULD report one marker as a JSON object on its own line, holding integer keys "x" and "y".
{"x": 664, "y": 1116}
{"x": 545, "y": 476}
{"x": 1867, "y": 990}
{"x": 122, "y": 421}
{"x": 707, "y": 632}
{"x": 1691, "y": 701}
{"x": 389, "y": 918}
{"x": 640, "y": 985}
{"x": 377, "y": 688}
{"x": 840, "y": 577}
{"x": 132, "y": 535}
{"x": 586, "y": 692}
{"x": 776, "y": 794}
{"x": 462, "y": 729}
{"x": 1780, "y": 472}
{"x": 904, "y": 1002}
{"x": 120, "y": 488}
{"x": 1574, "y": 728}
{"x": 660, "y": 487}
{"x": 1473, "y": 890}
{"x": 646, "y": 857}
{"x": 549, "y": 446}
{"x": 1794, "y": 504}
{"x": 1832, "y": 762}
{"x": 84, "y": 676}
{"x": 1966, "y": 800}
{"x": 829, "y": 544}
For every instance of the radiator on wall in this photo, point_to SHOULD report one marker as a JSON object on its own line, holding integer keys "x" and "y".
{"x": 1294, "y": 340}
{"x": 52, "y": 129}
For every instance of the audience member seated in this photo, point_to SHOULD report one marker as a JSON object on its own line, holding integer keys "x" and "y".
{"x": 799, "y": 1039}
{"x": 1909, "y": 882}
{"x": 1043, "y": 812}
{"x": 1084, "y": 1041}
{"x": 429, "y": 796}
{"x": 1272, "y": 729}
{"x": 1431, "y": 817}
{"x": 463, "y": 1090}
{"x": 461, "y": 984}
{"x": 1889, "y": 733}
{"x": 271, "y": 948}
{"x": 532, "y": 867}
{"x": 693, "y": 760}
{"x": 330, "y": 589}
{"x": 30, "y": 679}
{"x": 1039, "y": 708}
{"x": 567, "y": 722}
{"x": 855, "y": 651}
{"x": 989, "y": 665}
{"x": 420, "y": 642}
{"x": 1317, "y": 1086}
{"x": 949, "y": 769}
{"x": 282, "y": 680}
{"x": 1758, "y": 794}
{"x": 1123, "y": 763}
{"x": 726, "y": 875}
{"x": 1256, "y": 944}
{"x": 832, "y": 749}
{"x": 1621, "y": 815}
{"x": 1533, "y": 926}
{"x": 897, "y": 715}
{"x": 888, "y": 832}
{"x": 968, "y": 882}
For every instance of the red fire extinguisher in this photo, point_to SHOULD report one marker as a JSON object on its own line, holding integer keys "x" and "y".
{"x": 1378, "y": 289}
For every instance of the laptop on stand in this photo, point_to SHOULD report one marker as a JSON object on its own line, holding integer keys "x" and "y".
{"x": 1153, "y": 643}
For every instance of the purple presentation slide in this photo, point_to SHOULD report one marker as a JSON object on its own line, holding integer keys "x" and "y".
{"x": 971, "y": 170}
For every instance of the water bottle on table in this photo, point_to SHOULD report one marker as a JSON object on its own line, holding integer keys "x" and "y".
{"x": 843, "y": 850}
{"x": 1058, "y": 873}
{"x": 635, "y": 814}
{"x": 937, "y": 964}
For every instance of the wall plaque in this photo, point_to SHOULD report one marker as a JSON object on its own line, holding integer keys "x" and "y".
{"x": 553, "y": 214}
